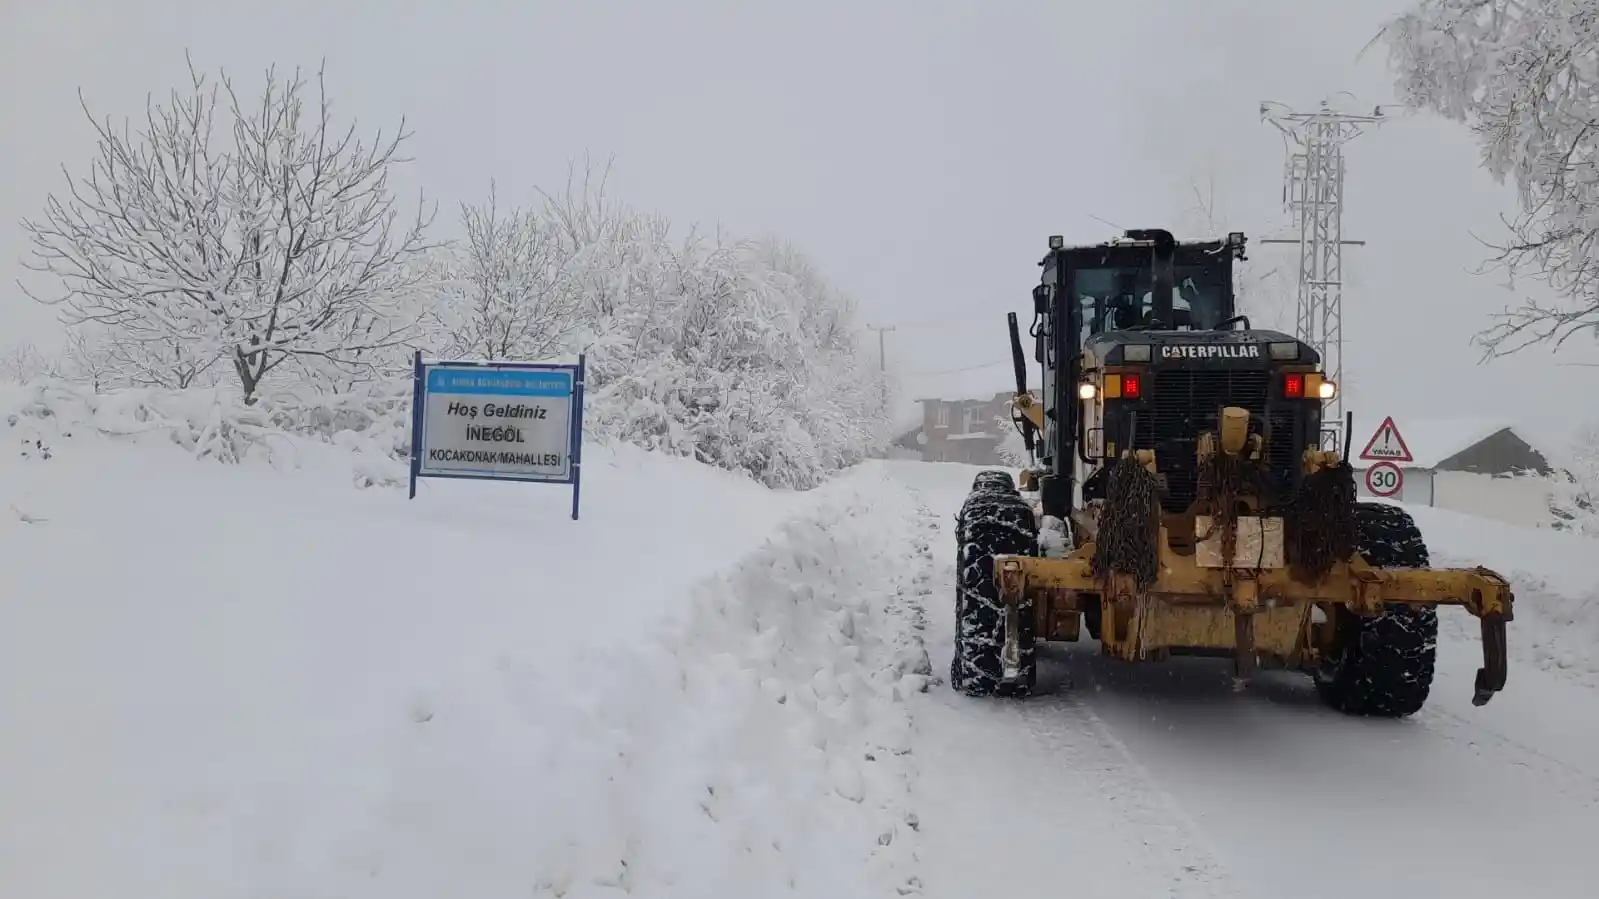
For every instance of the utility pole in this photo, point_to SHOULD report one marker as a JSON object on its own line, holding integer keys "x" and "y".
{"x": 882, "y": 360}
{"x": 1313, "y": 189}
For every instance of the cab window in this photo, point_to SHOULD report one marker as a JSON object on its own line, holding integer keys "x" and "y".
{"x": 1116, "y": 298}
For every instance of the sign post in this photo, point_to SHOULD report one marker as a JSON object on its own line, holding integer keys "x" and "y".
{"x": 1386, "y": 449}
{"x": 1386, "y": 445}
{"x": 498, "y": 421}
{"x": 1385, "y": 479}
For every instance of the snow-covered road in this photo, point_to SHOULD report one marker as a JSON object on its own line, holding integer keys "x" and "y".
{"x": 1157, "y": 780}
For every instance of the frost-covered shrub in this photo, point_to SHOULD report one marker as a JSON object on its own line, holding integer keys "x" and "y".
{"x": 23, "y": 362}
{"x": 735, "y": 352}
{"x": 1012, "y": 449}
{"x": 1574, "y": 487}
{"x": 215, "y": 423}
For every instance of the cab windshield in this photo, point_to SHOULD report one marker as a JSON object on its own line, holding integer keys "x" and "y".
{"x": 1117, "y": 298}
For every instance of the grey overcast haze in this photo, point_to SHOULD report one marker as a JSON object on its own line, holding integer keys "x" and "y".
{"x": 920, "y": 152}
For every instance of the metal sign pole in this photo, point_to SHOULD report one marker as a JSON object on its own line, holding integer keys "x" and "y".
{"x": 577, "y": 431}
{"x": 417, "y": 386}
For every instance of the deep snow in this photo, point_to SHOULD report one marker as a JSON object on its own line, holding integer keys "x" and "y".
{"x": 258, "y": 680}
{"x": 242, "y": 680}
{"x": 1556, "y": 582}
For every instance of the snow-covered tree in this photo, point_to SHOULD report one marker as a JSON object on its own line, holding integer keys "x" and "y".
{"x": 849, "y": 394}
{"x": 736, "y": 352}
{"x": 23, "y": 362}
{"x": 1012, "y": 449}
{"x": 1574, "y": 489}
{"x": 101, "y": 354}
{"x": 1524, "y": 75}
{"x": 269, "y": 240}
{"x": 509, "y": 295}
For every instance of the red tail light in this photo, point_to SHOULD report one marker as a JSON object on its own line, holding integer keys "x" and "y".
{"x": 1132, "y": 387}
{"x": 1294, "y": 386}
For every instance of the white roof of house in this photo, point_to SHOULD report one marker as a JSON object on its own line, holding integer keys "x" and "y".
{"x": 1432, "y": 440}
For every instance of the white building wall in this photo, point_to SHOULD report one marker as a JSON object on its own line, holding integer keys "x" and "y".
{"x": 1519, "y": 501}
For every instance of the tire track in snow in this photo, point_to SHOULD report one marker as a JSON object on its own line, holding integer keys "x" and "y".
{"x": 1017, "y": 793}
{"x": 1149, "y": 815}
{"x": 1563, "y": 778}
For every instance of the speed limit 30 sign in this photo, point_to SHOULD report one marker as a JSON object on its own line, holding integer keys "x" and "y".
{"x": 1384, "y": 479}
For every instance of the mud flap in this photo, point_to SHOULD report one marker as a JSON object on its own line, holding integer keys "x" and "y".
{"x": 1244, "y": 659}
{"x": 1010, "y": 655}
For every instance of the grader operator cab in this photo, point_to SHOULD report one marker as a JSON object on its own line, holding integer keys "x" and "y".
{"x": 1180, "y": 501}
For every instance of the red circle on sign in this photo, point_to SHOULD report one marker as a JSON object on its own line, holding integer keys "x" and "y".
{"x": 1384, "y": 479}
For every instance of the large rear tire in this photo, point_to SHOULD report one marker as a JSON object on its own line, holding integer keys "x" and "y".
{"x": 992, "y": 481}
{"x": 992, "y": 522}
{"x": 1383, "y": 666}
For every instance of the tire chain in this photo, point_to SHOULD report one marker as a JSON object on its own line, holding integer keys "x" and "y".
{"x": 1129, "y": 525}
{"x": 993, "y": 518}
{"x": 1321, "y": 520}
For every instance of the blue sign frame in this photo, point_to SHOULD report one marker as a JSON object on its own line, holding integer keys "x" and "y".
{"x": 436, "y": 374}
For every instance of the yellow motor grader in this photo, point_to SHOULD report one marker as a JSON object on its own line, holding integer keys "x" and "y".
{"x": 1182, "y": 503}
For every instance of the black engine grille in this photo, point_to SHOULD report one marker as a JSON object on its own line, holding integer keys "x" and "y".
{"x": 1183, "y": 403}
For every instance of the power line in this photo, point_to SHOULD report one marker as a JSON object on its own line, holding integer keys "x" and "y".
{"x": 975, "y": 315}
{"x": 952, "y": 371}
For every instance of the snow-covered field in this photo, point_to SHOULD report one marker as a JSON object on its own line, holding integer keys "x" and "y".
{"x": 1556, "y": 579}
{"x": 257, "y": 680}
{"x": 231, "y": 680}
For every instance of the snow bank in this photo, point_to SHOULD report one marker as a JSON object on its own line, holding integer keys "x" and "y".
{"x": 241, "y": 680}
{"x": 231, "y": 680}
{"x": 758, "y": 744}
{"x": 368, "y": 429}
{"x": 1553, "y": 574}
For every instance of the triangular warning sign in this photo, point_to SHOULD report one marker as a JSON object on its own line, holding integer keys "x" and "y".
{"x": 1386, "y": 445}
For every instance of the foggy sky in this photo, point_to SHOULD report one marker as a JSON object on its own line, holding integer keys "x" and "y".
{"x": 921, "y": 151}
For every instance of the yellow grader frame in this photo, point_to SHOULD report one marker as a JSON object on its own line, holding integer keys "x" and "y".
{"x": 1230, "y": 590}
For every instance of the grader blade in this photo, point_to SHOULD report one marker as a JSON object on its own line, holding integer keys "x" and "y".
{"x": 1188, "y": 604}
{"x": 1491, "y": 676}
